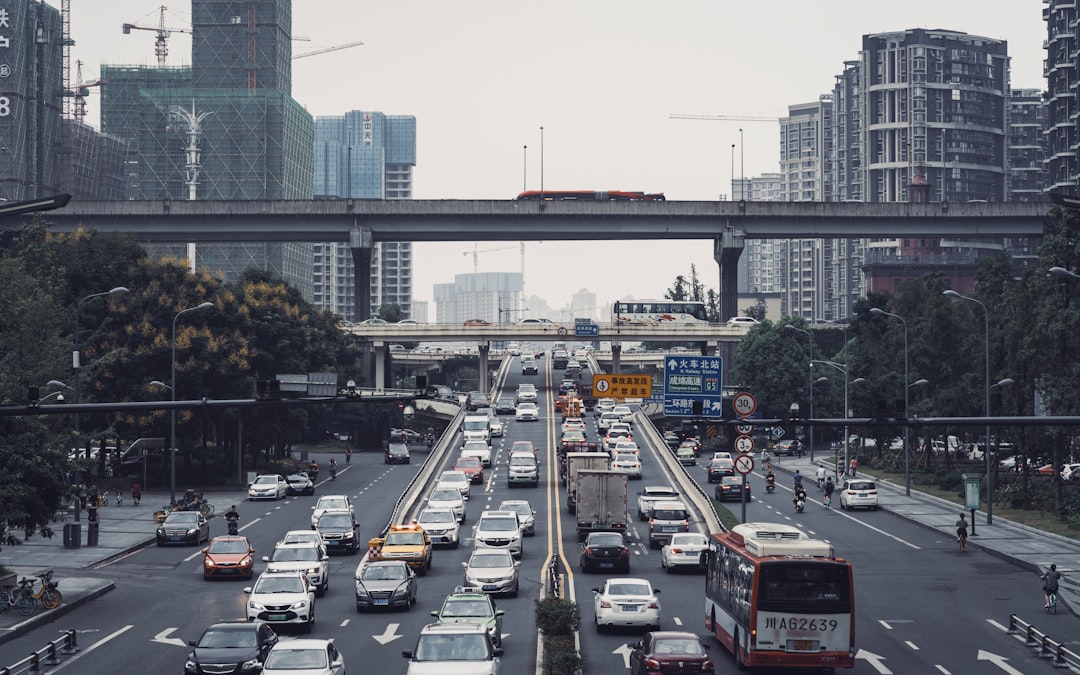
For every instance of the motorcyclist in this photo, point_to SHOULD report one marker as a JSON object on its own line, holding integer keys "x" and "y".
{"x": 800, "y": 497}
{"x": 232, "y": 517}
{"x": 770, "y": 480}
{"x": 313, "y": 471}
{"x": 333, "y": 469}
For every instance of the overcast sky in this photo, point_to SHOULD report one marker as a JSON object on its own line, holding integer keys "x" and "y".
{"x": 602, "y": 77}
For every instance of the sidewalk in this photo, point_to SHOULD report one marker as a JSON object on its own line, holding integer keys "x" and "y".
{"x": 1031, "y": 549}
{"x": 122, "y": 529}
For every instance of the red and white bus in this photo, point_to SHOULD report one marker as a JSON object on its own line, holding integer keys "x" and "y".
{"x": 774, "y": 597}
{"x": 592, "y": 195}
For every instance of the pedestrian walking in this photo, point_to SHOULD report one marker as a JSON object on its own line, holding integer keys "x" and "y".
{"x": 851, "y": 467}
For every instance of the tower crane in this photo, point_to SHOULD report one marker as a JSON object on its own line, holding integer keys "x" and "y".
{"x": 161, "y": 46}
{"x": 327, "y": 49}
{"x": 476, "y": 260}
{"x": 81, "y": 91}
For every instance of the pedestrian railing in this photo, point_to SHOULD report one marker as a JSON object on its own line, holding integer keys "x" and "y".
{"x": 1054, "y": 651}
{"x": 48, "y": 656}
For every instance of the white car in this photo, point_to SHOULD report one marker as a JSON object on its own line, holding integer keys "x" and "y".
{"x": 526, "y": 392}
{"x": 526, "y": 412}
{"x": 311, "y": 657}
{"x": 495, "y": 427}
{"x": 492, "y": 571}
{"x": 448, "y": 498}
{"x": 741, "y": 322}
{"x": 309, "y": 559}
{"x": 282, "y": 598}
{"x": 607, "y": 419}
{"x": 478, "y": 449}
{"x": 627, "y": 463}
{"x": 501, "y": 530}
{"x": 268, "y": 486}
{"x": 526, "y": 514}
{"x": 330, "y": 503}
{"x": 858, "y": 492}
{"x": 626, "y": 602}
{"x": 684, "y": 550}
{"x": 575, "y": 423}
{"x": 603, "y": 405}
{"x": 304, "y": 537}
{"x": 622, "y": 447}
{"x": 459, "y": 480}
{"x": 626, "y": 415}
{"x": 441, "y": 525}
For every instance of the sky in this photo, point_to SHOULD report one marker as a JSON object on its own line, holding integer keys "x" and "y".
{"x": 602, "y": 78}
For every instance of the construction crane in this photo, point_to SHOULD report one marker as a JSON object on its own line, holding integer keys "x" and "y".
{"x": 327, "y": 49}
{"x": 476, "y": 259}
{"x": 733, "y": 118}
{"x": 81, "y": 91}
{"x": 161, "y": 46}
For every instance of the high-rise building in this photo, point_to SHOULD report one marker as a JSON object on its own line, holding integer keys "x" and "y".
{"x": 1027, "y": 177}
{"x": 583, "y": 305}
{"x": 1062, "y": 80}
{"x": 364, "y": 155}
{"x": 488, "y": 296}
{"x": 759, "y": 265}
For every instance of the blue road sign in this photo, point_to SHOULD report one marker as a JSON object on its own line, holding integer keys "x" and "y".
{"x": 693, "y": 379}
{"x": 586, "y": 329}
{"x": 778, "y": 432}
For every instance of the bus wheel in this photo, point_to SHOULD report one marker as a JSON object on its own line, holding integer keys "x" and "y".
{"x": 738, "y": 653}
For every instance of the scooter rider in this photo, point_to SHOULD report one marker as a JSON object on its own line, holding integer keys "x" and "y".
{"x": 770, "y": 481}
{"x": 800, "y": 498}
{"x": 333, "y": 469}
{"x": 232, "y": 518}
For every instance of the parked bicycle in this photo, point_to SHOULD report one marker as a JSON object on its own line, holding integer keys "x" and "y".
{"x": 10, "y": 597}
{"x": 46, "y": 594}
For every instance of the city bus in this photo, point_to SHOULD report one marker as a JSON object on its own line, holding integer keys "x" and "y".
{"x": 774, "y": 597}
{"x": 658, "y": 312}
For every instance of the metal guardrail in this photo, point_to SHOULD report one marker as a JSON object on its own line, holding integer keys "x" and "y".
{"x": 49, "y": 655}
{"x": 1057, "y": 653}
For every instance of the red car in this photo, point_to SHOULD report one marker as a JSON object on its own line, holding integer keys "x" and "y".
{"x": 670, "y": 653}
{"x": 477, "y": 322}
{"x": 228, "y": 557}
{"x": 471, "y": 467}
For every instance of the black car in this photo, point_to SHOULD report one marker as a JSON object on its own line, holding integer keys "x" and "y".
{"x": 731, "y": 487}
{"x": 225, "y": 647}
{"x": 397, "y": 453}
{"x": 476, "y": 400}
{"x": 440, "y": 391}
{"x": 339, "y": 531}
{"x": 605, "y": 551}
{"x": 505, "y": 406}
{"x": 720, "y": 467}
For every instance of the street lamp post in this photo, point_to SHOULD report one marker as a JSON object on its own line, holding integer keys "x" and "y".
{"x": 986, "y": 454}
{"x": 843, "y": 368}
{"x": 76, "y": 361}
{"x": 172, "y": 412}
{"x": 810, "y": 382}
{"x": 907, "y": 410}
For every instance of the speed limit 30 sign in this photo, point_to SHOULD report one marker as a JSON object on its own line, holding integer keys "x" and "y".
{"x": 744, "y": 404}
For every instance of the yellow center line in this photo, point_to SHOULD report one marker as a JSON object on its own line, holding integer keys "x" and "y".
{"x": 555, "y": 530}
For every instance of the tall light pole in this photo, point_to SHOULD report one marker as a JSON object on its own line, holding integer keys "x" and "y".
{"x": 172, "y": 412}
{"x": 989, "y": 472}
{"x": 907, "y": 409}
{"x": 809, "y": 380}
{"x": 541, "y": 167}
{"x": 844, "y": 368}
{"x": 76, "y": 360}
{"x": 525, "y": 168}
{"x": 742, "y": 166}
{"x": 1062, "y": 272}
{"x": 733, "y": 172}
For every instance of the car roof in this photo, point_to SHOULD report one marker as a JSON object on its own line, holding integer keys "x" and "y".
{"x": 659, "y": 489}
{"x": 454, "y": 628}
{"x": 237, "y": 625}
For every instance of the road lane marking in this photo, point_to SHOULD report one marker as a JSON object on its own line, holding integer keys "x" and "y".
{"x": 102, "y": 641}
{"x": 885, "y": 624}
{"x": 943, "y": 670}
{"x": 912, "y": 645}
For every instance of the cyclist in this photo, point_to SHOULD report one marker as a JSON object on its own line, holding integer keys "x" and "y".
{"x": 829, "y": 488}
{"x": 798, "y": 480}
{"x": 333, "y": 469}
{"x": 1050, "y": 583}
{"x": 821, "y": 477}
{"x": 961, "y": 531}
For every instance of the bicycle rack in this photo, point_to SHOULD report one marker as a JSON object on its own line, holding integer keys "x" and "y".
{"x": 49, "y": 655}
{"x": 1039, "y": 641}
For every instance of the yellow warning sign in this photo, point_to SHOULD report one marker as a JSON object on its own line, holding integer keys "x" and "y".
{"x": 614, "y": 385}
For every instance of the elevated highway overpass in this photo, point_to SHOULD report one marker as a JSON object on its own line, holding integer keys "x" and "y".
{"x": 362, "y": 223}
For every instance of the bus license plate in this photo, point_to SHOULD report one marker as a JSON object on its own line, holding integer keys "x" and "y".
{"x": 803, "y": 645}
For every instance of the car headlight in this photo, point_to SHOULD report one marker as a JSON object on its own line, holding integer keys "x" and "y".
{"x": 401, "y": 590}
{"x": 191, "y": 664}
{"x": 313, "y": 570}
{"x": 349, "y": 535}
{"x": 250, "y": 664}
{"x": 161, "y": 532}
{"x": 254, "y": 605}
{"x": 207, "y": 562}
{"x": 299, "y": 604}
{"x": 193, "y": 530}
{"x": 360, "y": 590}
{"x": 246, "y": 561}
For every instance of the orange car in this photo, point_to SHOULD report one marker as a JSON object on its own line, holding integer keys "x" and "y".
{"x": 228, "y": 557}
{"x": 470, "y": 466}
{"x": 477, "y": 322}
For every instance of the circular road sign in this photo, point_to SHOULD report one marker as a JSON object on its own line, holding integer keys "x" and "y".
{"x": 744, "y": 444}
{"x": 744, "y": 404}
{"x": 603, "y": 386}
{"x": 744, "y": 464}
{"x": 744, "y": 429}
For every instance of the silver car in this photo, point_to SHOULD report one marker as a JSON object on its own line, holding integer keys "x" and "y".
{"x": 385, "y": 583}
{"x": 526, "y": 514}
{"x": 447, "y": 498}
{"x": 492, "y": 570}
{"x": 441, "y": 525}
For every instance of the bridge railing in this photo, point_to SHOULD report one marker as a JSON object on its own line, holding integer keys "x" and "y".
{"x": 48, "y": 656}
{"x": 1039, "y": 642}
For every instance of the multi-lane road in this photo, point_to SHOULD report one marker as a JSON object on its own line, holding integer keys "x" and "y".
{"x": 922, "y": 606}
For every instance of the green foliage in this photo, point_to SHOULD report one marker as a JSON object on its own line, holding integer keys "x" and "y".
{"x": 560, "y": 656}
{"x": 555, "y": 616}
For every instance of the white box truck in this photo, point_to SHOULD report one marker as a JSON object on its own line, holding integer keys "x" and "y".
{"x": 601, "y": 502}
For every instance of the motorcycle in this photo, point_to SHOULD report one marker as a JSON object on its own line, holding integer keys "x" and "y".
{"x": 770, "y": 484}
{"x": 232, "y": 526}
{"x": 799, "y": 500}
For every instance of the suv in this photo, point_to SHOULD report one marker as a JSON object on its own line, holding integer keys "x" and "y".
{"x": 476, "y": 400}
{"x": 306, "y": 558}
{"x": 649, "y": 496}
{"x": 522, "y": 468}
{"x": 330, "y": 503}
{"x": 528, "y": 366}
{"x": 397, "y": 453}
{"x": 282, "y": 598}
{"x": 858, "y": 492}
{"x": 441, "y": 525}
{"x": 499, "y": 529}
{"x": 467, "y": 644}
{"x": 339, "y": 530}
{"x": 526, "y": 392}
{"x": 667, "y": 519}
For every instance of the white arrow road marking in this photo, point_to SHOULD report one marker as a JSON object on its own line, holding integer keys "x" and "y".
{"x": 875, "y": 661}
{"x": 388, "y": 635}
{"x": 163, "y": 638}
{"x": 998, "y": 661}
{"x": 625, "y": 650}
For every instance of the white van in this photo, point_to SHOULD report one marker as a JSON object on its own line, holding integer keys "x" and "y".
{"x": 476, "y": 428}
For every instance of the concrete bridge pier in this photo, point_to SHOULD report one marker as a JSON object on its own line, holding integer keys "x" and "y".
{"x": 362, "y": 245}
{"x": 484, "y": 369}
{"x": 727, "y": 248}
{"x": 381, "y": 354}
{"x": 616, "y": 354}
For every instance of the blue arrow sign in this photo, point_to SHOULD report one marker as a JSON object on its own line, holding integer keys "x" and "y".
{"x": 690, "y": 380}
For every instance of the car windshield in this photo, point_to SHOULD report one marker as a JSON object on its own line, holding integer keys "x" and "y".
{"x": 297, "y": 478}
{"x": 522, "y": 461}
{"x": 605, "y": 540}
{"x": 467, "y": 463}
{"x": 294, "y": 554}
{"x": 669, "y": 514}
{"x": 436, "y": 517}
{"x": 470, "y": 647}
{"x": 526, "y": 406}
{"x": 228, "y": 546}
{"x": 495, "y": 524}
{"x": 266, "y": 480}
{"x": 383, "y": 573}
{"x": 628, "y": 588}
{"x": 861, "y": 485}
{"x": 326, "y": 504}
{"x": 182, "y": 518}
{"x": 336, "y": 520}
{"x": 228, "y": 639}
{"x": 490, "y": 560}
{"x": 678, "y": 646}
{"x": 687, "y": 540}
{"x": 445, "y": 496}
{"x": 404, "y": 539}
{"x": 471, "y": 608}
{"x": 284, "y": 584}
{"x": 455, "y": 476}
{"x": 298, "y": 659}
{"x": 522, "y": 509}
{"x": 301, "y": 537}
